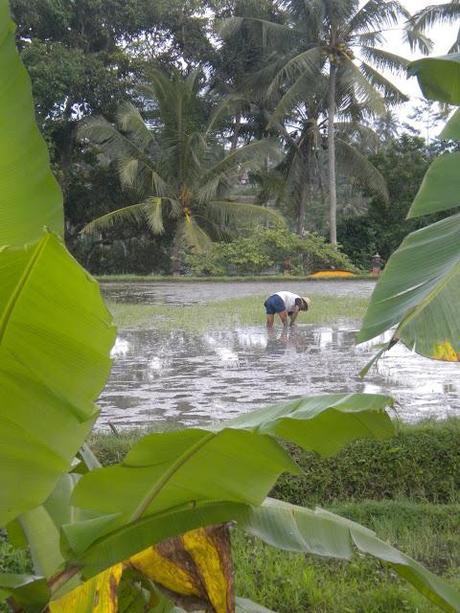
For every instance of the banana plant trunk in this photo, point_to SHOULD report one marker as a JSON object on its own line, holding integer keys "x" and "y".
{"x": 331, "y": 155}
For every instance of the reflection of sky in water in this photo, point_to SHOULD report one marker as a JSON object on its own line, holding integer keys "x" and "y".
{"x": 189, "y": 379}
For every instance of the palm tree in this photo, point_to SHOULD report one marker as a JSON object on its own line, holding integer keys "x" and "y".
{"x": 422, "y": 20}
{"x": 327, "y": 38}
{"x": 178, "y": 165}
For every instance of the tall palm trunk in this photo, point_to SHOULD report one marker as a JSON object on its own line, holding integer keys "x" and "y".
{"x": 331, "y": 155}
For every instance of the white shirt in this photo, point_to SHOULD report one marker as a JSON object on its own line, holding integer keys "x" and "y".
{"x": 289, "y": 300}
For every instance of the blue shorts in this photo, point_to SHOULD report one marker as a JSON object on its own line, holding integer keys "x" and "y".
{"x": 274, "y": 304}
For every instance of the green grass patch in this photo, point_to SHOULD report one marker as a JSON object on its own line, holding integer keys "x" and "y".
{"x": 228, "y": 313}
{"x": 295, "y": 583}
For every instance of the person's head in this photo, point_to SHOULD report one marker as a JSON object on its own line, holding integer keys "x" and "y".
{"x": 306, "y": 303}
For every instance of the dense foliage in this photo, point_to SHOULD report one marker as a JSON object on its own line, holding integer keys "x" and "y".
{"x": 269, "y": 250}
{"x": 262, "y": 61}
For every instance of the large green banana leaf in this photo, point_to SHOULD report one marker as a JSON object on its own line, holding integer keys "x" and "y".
{"x": 320, "y": 532}
{"x": 30, "y": 198}
{"x": 55, "y": 337}
{"x": 439, "y": 77}
{"x": 419, "y": 288}
{"x": 239, "y": 462}
{"x": 451, "y": 130}
{"x": 440, "y": 188}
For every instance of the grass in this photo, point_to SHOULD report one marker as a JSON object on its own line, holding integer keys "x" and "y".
{"x": 294, "y": 583}
{"x": 227, "y": 313}
{"x": 129, "y": 278}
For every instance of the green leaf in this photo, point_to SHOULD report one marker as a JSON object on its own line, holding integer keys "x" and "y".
{"x": 55, "y": 338}
{"x": 419, "y": 290}
{"x": 43, "y": 539}
{"x": 28, "y": 591}
{"x": 165, "y": 470}
{"x": 240, "y": 462}
{"x": 452, "y": 128}
{"x": 440, "y": 188}
{"x": 30, "y": 198}
{"x": 320, "y": 532}
{"x": 323, "y": 423}
{"x": 438, "y": 77}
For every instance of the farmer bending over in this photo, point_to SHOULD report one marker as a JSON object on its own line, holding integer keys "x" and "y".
{"x": 285, "y": 304}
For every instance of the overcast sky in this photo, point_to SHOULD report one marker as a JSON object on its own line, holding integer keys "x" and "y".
{"x": 443, "y": 37}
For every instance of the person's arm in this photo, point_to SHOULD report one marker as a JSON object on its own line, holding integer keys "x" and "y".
{"x": 294, "y": 314}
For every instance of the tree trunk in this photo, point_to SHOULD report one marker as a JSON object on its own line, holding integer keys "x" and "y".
{"x": 302, "y": 204}
{"x": 331, "y": 155}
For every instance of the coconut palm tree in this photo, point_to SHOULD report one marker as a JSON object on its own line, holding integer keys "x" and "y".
{"x": 337, "y": 39}
{"x": 176, "y": 162}
{"x": 421, "y": 21}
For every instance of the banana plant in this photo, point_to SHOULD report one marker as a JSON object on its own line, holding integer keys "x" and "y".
{"x": 417, "y": 294}
{"x": 151, "y": 533}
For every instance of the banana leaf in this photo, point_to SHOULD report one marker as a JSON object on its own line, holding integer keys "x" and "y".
{"x": 30, "y": 198}
{"x": 440, "y": 188}
{"x": 320, "y": 532}
{"x": 55, "y": 339}
{"x": 438, "y": 77}
{"x": 239, "y": 462}
{"x": 418, "y": 291}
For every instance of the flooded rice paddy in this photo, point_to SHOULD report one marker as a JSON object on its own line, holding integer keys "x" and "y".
{"x": 173, "y": 378}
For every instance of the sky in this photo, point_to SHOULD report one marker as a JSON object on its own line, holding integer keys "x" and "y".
{"x": 443, "y": 37}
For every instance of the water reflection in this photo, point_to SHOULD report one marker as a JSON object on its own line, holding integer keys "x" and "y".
{"x": 196, "y": 379}
{"x": 184, "y": 293}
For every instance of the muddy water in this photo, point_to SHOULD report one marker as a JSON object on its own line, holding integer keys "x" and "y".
{"x": 175, "y": 378}
{"x": 195, "y": 292}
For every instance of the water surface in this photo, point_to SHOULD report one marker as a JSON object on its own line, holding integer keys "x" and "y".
{"x": 176, "y": 378}
{"x": 177, "y": 292}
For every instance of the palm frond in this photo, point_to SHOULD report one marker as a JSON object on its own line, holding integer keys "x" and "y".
{"x": 297, "y": 93}
{"x": 417, "y": 40}
{"x": 309, "y": 63}
{"x": 194, "y": 237}
{"x": 358, "y": 132}
{"x": 376, "y": 14}
{"x": 231, "y": 25}
{"x": 235, "y": 214}
{"x": 118, "y": 147}
{"x": 133, "y": 212}
{"x": 384, "y": 60}
{"x": 249, "y": 157}
{"x": 228, "y": 106}
{"x": 391, "y": 93}
{"x": 350, "y": 162}
{"x": 130, "y": 120}
{"x": 98, "y": 131}
{"x": 154, "y": 213}
{"x": 128, "y": 171}
{"x": 448, "y": 12}
{"x": 364, "y": 91}
{"x": 367, "y": 38}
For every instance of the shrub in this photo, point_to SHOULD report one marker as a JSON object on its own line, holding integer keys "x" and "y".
{"x": 266, "y": 248}
{"x": 420, "y": 463}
